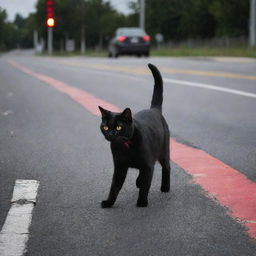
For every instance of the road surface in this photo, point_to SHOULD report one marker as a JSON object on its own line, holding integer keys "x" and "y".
{"x": 50, "y": 133}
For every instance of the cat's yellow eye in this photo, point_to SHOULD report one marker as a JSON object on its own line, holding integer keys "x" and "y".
{"x": 105, "y": 128}
{"x": 119, "y": 128}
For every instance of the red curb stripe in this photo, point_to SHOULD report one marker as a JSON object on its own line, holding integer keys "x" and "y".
{"x": 227, "y": 185}
{"x": 86, "y": 99}
{"x": 231, "y": 188}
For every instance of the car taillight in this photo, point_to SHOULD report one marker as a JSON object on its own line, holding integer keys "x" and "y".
{"x": 121, "y": 38}
{"x": 146, "y": 38}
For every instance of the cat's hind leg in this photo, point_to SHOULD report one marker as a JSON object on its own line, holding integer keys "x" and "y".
{"x": 138, "y": 181}
{"x": 145, "y": 179}
{"x": 166, "y": 171}
{"x": 164, "y": 160}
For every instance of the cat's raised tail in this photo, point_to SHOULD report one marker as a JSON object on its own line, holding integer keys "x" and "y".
{"x": 157, "y": 98}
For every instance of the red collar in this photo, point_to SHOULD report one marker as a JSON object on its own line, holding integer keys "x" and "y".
{"x": 128, "y": 144}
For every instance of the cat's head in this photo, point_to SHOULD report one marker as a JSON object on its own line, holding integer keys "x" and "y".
{"x": 116, "y": 126}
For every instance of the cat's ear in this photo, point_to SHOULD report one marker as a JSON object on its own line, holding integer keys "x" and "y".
{"x": 104, "y": 112}
{"x": 127, "y": 115}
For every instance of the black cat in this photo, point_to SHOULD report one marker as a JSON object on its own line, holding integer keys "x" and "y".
{"x": 138, "y": 141}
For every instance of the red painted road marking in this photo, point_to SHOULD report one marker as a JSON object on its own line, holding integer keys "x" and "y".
{"x": 86, "y": 99}
{"x": 227, "y": 185}
{"x": 231, "y": 188}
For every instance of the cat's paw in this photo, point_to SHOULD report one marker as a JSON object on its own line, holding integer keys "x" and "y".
{"x": 165, "y": 189}
{"x": 142, "y": 203}
{"x": 106, "y": 204}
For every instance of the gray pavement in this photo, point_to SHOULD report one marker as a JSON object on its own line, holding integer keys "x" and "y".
{"x": 48, "y": 137}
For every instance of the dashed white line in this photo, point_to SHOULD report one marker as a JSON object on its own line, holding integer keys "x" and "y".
{"x": 15, "y": 231}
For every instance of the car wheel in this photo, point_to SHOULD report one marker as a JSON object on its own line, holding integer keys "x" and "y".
{"x": 115, "y": 53}
{"x": 110, "y": 55}
{"x": 146, "y": 54}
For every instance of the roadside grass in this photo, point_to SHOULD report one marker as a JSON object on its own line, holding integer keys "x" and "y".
{"x": 175, "y": 52}
{"x": 203, "y": 52}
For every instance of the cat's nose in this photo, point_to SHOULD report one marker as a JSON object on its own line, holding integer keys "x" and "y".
{"x": 112, "y": 133}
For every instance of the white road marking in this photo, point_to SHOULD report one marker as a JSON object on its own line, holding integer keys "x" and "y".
{"x": 186, "y": 83}
{"x": 210, "y": 87}
{"x": 232, "y": 59}
{"x": 15, "y": 232}
{"x": 167, "y": 80}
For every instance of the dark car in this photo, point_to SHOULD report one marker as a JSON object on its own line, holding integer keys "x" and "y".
{"x": 129, "y": 41}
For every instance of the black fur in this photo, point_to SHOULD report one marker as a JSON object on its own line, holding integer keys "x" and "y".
{"x": 142, "y": 140}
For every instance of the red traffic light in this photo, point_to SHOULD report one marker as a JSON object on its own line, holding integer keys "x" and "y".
{"x": 50, "y": 22}
{"x": 50, "y": 14}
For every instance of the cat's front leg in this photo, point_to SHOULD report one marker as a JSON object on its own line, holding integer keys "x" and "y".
{"x": 117, "y": 183}
{"x": 144, "y": 180}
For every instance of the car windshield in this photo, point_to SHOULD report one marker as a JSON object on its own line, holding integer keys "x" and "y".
{"x": 130, "y": 32}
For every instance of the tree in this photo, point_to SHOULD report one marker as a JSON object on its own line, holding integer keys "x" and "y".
{"x": 3, "y": 17}
{"x": 19, "y": 21}
{"x": 163, "y": 16}
{"x": 231, "y": 17}
{"x": 184, "y": 19}
{"x": 196, "y": 21}
{"x": 8, "y": 32}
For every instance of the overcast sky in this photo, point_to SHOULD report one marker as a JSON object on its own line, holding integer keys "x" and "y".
{"x": 24, "y": 7}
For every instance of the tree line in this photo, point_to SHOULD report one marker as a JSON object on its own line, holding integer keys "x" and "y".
{"x": 8, "y": 35}
{"x": 97, "y": 20}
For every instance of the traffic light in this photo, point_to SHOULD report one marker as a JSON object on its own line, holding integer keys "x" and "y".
{"x": 50, "y": 22}
{"x": 50, "y": 14}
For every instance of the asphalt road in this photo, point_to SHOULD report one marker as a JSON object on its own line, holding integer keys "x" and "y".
{"x": 47, "y": 136}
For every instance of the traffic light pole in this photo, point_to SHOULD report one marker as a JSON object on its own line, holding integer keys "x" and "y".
{"x": 50, "y": 40}
{"x": 252, "y": 28}
{"x": 142, "y": 14}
